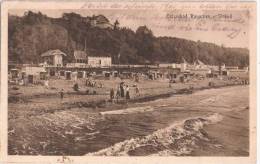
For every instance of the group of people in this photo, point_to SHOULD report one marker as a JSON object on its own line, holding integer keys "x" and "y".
{"x": 122, "y": 91}
{"x": 92, "y": 83}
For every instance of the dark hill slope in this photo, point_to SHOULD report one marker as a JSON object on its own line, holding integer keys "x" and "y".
{"x": 35, "y": 33}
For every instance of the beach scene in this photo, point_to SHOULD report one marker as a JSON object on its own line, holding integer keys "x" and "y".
{"x": 108, "y": 83}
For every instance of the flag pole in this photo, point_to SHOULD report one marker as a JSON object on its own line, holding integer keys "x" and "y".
{"x": 118, "y": 57}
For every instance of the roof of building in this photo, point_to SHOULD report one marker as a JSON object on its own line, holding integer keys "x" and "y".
{"x": 198, "y": 62}
{"x": 53, "y": 52}
{"x": 184, "y": 61}
{"x": 80, "y": 55}
{"x": 100, "y": 19}
{"x": 98, "y": 57}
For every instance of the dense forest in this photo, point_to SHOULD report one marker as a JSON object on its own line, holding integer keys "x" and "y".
{"x": 34, "y": 33}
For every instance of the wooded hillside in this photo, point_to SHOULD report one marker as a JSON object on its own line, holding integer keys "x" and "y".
{"x": 35, "y": 33}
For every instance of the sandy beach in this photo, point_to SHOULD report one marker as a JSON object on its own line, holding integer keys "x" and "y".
{"x": 31, "y": 99}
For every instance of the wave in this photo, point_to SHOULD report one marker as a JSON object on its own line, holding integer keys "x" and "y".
{"x": 177, "y": 139}
{"x": 139, "y": 109}
{"x": 87, "y": 136}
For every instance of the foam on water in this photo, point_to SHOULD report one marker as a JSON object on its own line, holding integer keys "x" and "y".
{"x": 129, "y": 110}
{"x": 214, "y": 118}
{"x": 209, "y": 100}
{"x": 138, "y": 109}
{"x": 168, "y": 152}
{"x": 176, "y": 139}
{"x": 87, "y": 136}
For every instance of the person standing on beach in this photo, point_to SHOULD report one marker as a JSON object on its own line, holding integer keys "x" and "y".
{"x": 76, "y": 87}
{"x": 112, "y": 94}
{"x": 46, "y": 84}
{"x": 117, "y": 93}
{"x": 61, "y": 94}
{"x": 137, "y": 91}
{"x": 127, "y": 95}
{"x": 122, "y": 90}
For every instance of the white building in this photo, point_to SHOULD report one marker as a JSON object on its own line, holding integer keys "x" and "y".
{"x": 201, "y": 71}
{"x": 80, "y": 60}
{"x": 53, "y": 58}
{"x": 83, "y": 60}
{"x": 181, "y": 66}
{"x": 80, "y": 57}
{"x": 167, "y": 65}
{"x": 99, "y": 61}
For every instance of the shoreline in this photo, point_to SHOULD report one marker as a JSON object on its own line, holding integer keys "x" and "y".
{"x": 102, "y": 105}
{"x": 16, "y": 97}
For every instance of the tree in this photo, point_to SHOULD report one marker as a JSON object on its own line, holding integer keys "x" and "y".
{"x": 127, "y": 54}
{"x": 116, "y": 24}
{"x": 145, "y": 42}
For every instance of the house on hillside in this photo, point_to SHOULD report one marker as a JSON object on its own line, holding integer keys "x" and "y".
{"x": 53, "y": 58}
{"x": 100, "y": 21}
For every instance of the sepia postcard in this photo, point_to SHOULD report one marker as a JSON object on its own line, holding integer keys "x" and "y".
{"x": 128, "y": 82}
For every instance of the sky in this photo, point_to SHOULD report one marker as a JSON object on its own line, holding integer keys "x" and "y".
{"x": 226, "y": 28}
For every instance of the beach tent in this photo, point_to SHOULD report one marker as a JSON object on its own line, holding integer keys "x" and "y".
{"x": 115, "y": 73}
{"x": 43, "y": 75}
{"x": 30, "y": 79}
{"x": 14, "y": 73}
{"x": 106, "y": 73}
{"x": 68, "y": 75}
{"x": 80, "y": 74}
{"x": 52, "y": 72}
{"x": 74, "y": 75}
{"x": 62, "y": 73}
{"x": 84, "y": 74}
